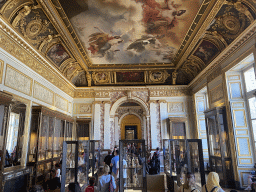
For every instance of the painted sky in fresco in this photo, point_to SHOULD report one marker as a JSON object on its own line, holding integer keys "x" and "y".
{"x": 133, "y": 31}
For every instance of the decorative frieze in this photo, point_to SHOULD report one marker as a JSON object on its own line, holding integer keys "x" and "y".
{"x": 102, "y": 94}
{"x": 17, "y": 80}
{"x": 84, "y": 94}
{"x": 61, "y": 103}
{"x": 168, "y": 93}
{"x": 43, "y": 94}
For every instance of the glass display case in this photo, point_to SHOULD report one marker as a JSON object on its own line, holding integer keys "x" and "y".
{"x": 132, "y": 164}
{"x": 81, "y": 160}
{"x": 182, "y": 156}
{"x": 218, "y": 145}
{"x": 48, "y": 131}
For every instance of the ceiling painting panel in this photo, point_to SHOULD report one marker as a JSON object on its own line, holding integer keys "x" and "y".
{"x": 58, "y": 54}
{"x": 131, "y": 31}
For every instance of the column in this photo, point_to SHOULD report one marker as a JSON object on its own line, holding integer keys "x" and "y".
{"x": 153, "y": 118}
{"x": 97, "y": 122}
{"x": 116, "y": 130}
{"x": 163, "y": 119}
{"x": 107, "y": 131}
{"x": 148, "y": 132}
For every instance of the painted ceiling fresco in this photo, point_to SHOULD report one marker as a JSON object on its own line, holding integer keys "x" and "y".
{"x": 129, "y": 42}
{"x": 131, "y": 31}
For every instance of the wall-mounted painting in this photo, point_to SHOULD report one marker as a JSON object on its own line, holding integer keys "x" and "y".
{"x": 206, "y": 51}
{"x": 130, "y": 77}
{"x": 131, "y": 31}
{"x": 57, "y": 54}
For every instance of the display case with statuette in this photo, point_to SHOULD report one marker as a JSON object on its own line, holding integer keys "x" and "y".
{"x": 81, "y": 160}
{"x": 180, "y": 157}
{"x": 48, "y": 131}
{"x": 218, "y": 145}
{"x": 132, "y": 163}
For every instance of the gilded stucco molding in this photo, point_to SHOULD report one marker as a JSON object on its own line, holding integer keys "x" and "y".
{"x": 16, "y": 47}
{"x": 193, "y": 41}
{"x": 233, "y": 47}
{"x": 168, "y": 93}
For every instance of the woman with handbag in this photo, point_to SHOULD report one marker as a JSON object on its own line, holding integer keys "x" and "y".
{"x": 106, "y": 181}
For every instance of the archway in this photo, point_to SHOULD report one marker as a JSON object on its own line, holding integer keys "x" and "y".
{"x": 131, "y": 127}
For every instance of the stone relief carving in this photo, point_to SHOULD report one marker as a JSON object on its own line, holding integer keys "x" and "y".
{"x": 61, "y": 103}
{"x": 42, "y": 93}
{"x": 18, "y": 81}
{"x": 84, "y": 108}
{"x": 175, "y": 107}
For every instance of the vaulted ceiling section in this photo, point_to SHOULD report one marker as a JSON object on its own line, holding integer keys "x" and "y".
{"x": 129, "y": 42}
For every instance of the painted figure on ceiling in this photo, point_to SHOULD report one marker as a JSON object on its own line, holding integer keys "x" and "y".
{"x": 103, "y": 43}
{"x": 155, "y": 16}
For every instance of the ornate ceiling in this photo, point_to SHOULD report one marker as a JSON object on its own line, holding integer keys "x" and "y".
{"x": 129, "y": 42}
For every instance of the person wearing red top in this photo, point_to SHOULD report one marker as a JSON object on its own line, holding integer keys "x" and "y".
{"x": 90, "y": 188}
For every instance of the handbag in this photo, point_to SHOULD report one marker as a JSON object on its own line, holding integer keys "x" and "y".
{"x": 111, "y": 187}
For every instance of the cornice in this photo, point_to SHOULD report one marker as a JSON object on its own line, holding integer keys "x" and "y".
{"x": 225, "y": 54}
{"x": 206, "y": 19}
{"x": 16, "y": 46}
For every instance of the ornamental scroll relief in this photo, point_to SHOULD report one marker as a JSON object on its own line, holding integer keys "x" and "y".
{"x": 43, "y": 94}
{"x": 17, "y": 80}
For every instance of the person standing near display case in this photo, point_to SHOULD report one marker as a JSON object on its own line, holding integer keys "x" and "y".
{"x": 213, "y": 183}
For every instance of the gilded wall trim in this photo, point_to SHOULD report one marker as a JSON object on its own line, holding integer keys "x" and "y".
{"x": 17, "y": 47}
{"x": 191, "y": 43}
{"x": 1, "y": 70}
{"x": 18, "y": 81}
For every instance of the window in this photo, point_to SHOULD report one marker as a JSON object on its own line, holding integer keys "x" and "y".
{"x": 250, "y": 84}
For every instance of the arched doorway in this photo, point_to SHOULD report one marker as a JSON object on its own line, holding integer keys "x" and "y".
{"x": 131, "y": 127}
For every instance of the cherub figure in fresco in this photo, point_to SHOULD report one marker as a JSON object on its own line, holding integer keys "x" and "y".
{"x": 102, "y": 43}
{"x": 155, "y": 16}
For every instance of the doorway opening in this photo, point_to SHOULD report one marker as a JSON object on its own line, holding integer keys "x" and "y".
{"x": 131, "y": 127}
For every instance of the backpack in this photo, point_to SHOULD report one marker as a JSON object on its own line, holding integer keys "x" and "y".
{"x": 111, "y": 187}
{"x": 211, "y": 190}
